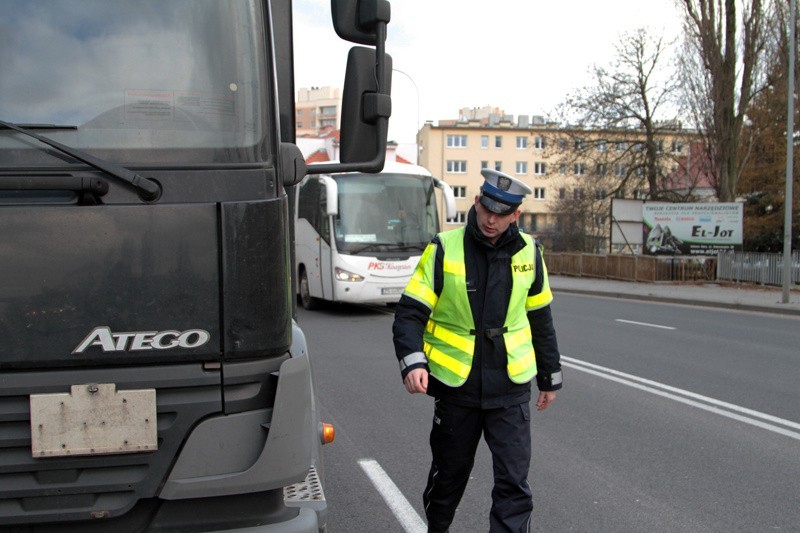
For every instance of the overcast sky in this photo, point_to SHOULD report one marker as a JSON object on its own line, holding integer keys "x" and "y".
{"x": 523, "y": 56}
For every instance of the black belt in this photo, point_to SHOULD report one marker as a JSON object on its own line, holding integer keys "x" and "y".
{"x": 489, "y": 333}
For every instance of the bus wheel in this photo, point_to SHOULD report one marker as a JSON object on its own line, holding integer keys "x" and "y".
{"x": 308, "y": 301}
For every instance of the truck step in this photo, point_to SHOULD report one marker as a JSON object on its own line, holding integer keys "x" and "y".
{"x": 306, "y": 493}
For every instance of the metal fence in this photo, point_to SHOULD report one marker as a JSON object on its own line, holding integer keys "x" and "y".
{"x": 763, "y": 268}
{"x": 766, "y": 269}
{"x": 632, "y": 267}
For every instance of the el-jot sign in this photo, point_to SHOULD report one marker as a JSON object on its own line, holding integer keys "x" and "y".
{"x": 691, "y": 229}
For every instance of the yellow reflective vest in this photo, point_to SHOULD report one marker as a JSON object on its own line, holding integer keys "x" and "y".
{"x": 449, "y": 338}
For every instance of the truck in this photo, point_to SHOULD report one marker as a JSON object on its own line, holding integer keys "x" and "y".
{"x": 360, "y": 236}
{"x": 152, "y": 374}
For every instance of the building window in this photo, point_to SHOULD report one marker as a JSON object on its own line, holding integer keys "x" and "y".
{"x": 484, "y": 141}
{"x": 522, "y": 143}
{"x": 498, "y": 166}
{"x": 459, "y": 191}
{"x": 621, "y": 146}
{"x": 563, "y": 144}
{"x": 456, "y": 141}
{"x": 562, "y": 193}
{"x": 620, "y": 171}
{"x": 538, "y": 193}
{"x": 538, "y": 143}
{"x": 579, "y": 144}
{"x": 539, "y": 169}
{"x": 460, "y": 218}
{"x": 579, "y": 169}
{"x": 577, "y": 194}
{"x": 602, "y": 169}
{"x": 562, "y": 169}
{"x": 484, "y": 164}
{"x": 602, "y": 146}
{"x": 498, "y": 141}
{"x": 677, "y": 147}
{"x": 521, "y": 167}
{"x": 456, "y": 167}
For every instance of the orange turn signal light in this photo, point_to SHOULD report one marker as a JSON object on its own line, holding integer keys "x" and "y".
{"x": 328, "y": 433}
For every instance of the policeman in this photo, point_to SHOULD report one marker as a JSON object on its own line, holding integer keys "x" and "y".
{"x": 472, "y": 329}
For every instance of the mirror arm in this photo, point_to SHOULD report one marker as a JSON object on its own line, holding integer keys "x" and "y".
{"x": 376, "y": 165}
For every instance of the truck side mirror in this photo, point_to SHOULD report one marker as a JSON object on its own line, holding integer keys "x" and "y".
{"x": 356, "y": 20}
{"x": 365, "y": 109}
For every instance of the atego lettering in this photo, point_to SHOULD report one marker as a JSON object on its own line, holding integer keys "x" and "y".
{"x": 103, "y": 337}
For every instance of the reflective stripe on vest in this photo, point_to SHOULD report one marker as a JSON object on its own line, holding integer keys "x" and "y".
{"x": 448, "y": 343}
{"x": 537, "y": 301}
{"x": 421, "y": 285}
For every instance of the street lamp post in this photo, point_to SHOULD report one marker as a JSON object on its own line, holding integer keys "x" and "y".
{"x": 787, "y": 204}
{"x": 416, "y": 90}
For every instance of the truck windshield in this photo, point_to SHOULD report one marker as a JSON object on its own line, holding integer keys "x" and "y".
{"x": 141, "y": 82}
{"x": 384, "y": 212}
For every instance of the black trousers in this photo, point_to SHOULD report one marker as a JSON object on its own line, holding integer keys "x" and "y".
{"x": 454, "y": 439}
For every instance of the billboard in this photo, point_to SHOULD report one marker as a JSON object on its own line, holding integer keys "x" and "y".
{"x": 691, "y": 229}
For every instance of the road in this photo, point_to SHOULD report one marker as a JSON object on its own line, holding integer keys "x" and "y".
{"x": 673, "y": 418}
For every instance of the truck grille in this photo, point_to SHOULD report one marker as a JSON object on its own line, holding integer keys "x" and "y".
{"x": 80, "y": 488}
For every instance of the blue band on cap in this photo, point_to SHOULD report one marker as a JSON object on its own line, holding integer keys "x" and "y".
{"x": 502, "y": 195}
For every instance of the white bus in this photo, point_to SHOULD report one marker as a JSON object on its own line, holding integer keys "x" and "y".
{"x": 358, "y": 237}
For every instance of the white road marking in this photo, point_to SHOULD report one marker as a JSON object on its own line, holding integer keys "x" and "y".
{"x": 742, "y": 414}
{"x": 398, "y": 503}
{"x": 643, "y": 324}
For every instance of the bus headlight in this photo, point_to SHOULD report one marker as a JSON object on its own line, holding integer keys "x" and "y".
{"x": 344, "y": 275}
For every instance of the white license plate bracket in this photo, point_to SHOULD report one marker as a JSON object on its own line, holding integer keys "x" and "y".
{"x": 93, "y": 419}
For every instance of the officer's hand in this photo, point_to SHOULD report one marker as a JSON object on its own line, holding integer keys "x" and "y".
{"x": 416, "y": 380}
{"x": 545, "y": 399}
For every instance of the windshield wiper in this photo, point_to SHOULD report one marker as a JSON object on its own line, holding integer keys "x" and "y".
{"x": 148, "y": 189}
{"x": 409, "y": 246}
{"x": 369, "y": 246}
{"x": 387, "y": 247}
{"x": 44, "y": 126}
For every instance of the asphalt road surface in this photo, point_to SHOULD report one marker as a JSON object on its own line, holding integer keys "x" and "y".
{"x": 672, "y": 418}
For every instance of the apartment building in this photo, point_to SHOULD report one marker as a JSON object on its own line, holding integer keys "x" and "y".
{"x": 562, "y": 166}
{"x": 319, "y": 109}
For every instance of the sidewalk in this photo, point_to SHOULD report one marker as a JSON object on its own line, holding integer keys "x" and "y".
{"x": 724, "y": 294}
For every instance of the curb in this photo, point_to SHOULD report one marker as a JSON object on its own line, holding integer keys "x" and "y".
{"x": 731, "y": 306}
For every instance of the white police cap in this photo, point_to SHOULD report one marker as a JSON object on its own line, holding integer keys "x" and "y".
{"x": 500, "y": 193}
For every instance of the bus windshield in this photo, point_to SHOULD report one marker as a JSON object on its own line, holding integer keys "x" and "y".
{"x": 384, "y": 212}
{"x": 134, "y": 82}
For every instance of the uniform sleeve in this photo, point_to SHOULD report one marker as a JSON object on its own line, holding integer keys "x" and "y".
{"x": 545, "y": 343}
{"x": 414, "y": 308}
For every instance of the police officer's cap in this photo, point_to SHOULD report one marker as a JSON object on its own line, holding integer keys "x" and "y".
{"x": 500, "y": 193}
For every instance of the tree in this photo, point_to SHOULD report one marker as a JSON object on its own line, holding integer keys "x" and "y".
{"x": 635, "y": 102}
{"x": 722, "y": 75}
{"x": 635, "y": 98}
{"x": 762, "y": 182}
{"x": 582, "y": 218}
